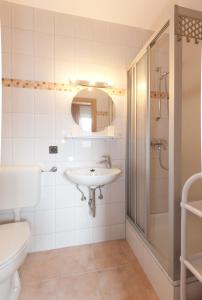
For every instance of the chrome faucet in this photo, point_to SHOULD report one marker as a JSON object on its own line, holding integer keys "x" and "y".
{"x": 106, "y": 161}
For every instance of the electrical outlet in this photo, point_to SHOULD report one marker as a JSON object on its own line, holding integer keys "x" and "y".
{"x": 53, "y": 149}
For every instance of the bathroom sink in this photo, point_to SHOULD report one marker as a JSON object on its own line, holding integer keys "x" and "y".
{"x": 92, "y": 177}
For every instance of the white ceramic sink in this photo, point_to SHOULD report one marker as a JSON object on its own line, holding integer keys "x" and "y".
{"x": 92, "y": 177}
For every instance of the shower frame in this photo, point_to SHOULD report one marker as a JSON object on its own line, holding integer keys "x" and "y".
{"x": 174, "y": 147}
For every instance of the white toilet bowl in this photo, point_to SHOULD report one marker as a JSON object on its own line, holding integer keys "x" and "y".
{"x": 14, "y": 239}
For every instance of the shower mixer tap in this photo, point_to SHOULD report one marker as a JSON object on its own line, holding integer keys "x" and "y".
{"x": 160, "y": 144}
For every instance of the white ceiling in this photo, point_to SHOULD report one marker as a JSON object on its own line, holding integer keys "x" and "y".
{"x": 148, "y": 14}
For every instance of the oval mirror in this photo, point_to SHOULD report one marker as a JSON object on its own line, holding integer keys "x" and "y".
{"x": 92, "y": 109}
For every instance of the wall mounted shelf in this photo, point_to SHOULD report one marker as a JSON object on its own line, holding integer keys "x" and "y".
{"x": 93, "y": 137}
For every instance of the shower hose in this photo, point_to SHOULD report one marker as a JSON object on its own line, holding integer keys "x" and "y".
{"x": 160, "y": 158}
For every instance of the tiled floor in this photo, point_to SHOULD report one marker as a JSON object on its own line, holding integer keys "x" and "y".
{"x": 104, "y": 271}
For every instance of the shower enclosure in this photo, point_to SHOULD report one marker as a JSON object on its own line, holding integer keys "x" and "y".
{"x": 163, "y": 134}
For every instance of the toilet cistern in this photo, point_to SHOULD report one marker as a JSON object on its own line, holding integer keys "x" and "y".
{"x": 19, "y": 188}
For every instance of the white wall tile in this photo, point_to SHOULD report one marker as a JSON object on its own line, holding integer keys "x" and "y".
{"x": 41, "y": 149}
{"x": 67, "y": 196}
{"x": 47, "y": 200}
{"x": 44, "y": 69}
{"x": 45, "y": 126}
{"x": 22, "y": 41}
{"x": 62, "y": 103}
{"x": 7, "y": 151}
{"x": 6, "y": 99}
{"x": 22, "y": 100}
{"x": 65, "y": 239}
{"x": 102, "y": 216}
{"x": 65, "y": 151}
{"x": 6, "y": 39}
{"x": 83, "y": 218}
{"x": 90, "y": 150}
{"x": 22, "y": 66}
{"x": 65, "y": 25}
{"x": 101, "y": 32}
{"x": 101, "y": 234}
{"x": 106, "y": 195}
{"x": 5, "y": 13}
{"x": 84, "y": 51}
{"x": 47, "y": 178}
{"x": 44, "y": 45}
{"x": 83, "y": 150}
{"x": 84, "y": 28}
{"x": 117, "y": 190}
{"x": 44, "y": 21}
{"x": 117, "y": 149}
{"x": 44, "y": 222}
{"x": 44, "y": 242}
{"x": 32, "y": 245}
{"x": 64, "y": 47}
{"x": 63, "y": 126}
{"x": 60, "y": 176}
{"x": 118, "y": 34}
{"x": 23, "y": 151}
{"x": 84, "y": 236}
{"x": 7, "y": 125}
{"x": 22, "y": 17}
{"x": 6, "y": 65}
{"x": 117, "y": 213}
{"x": 29, "y": 217}
{"x": 131, "y": 53}
{"x": 23, "y": 125}
{"x": 65, "y": 68}
{"x": 121, "y": 165}
{"x": 100, "y": 148}
{"x": 117, "y": 232}
{"x": 45, "y": 102}
{"x": 65, "y": 219}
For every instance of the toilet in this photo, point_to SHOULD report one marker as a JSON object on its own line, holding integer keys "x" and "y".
{"x": 19, "y": 188}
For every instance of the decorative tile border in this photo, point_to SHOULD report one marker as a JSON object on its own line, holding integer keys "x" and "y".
{"x": 157, "y": 95}
{"x": 102, "y": 113}
{"x": 43, "y": 85}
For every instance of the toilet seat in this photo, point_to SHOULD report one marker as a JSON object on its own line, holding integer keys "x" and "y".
{"x": 14, "y": 238}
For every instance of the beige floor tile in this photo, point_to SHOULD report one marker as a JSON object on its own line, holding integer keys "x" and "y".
{"x": 127, "y": 250}
{"x": 40, "y": 267}
{"x": 104, "y": 271}
{"x": 83, "y": 287}
{"x": 41, "y": 291}
{"x": 112, "y": 285}
{"x": 124, "y": 284}
{"x": 76, "y": 260}
{"x": 111, "y": 248}
{"x": 109, "y": 255}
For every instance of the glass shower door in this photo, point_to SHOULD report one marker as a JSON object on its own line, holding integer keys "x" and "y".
{"x": 137, "y": 143}
{"x": 141, "y": 143}
{"x": 158, "y": 214}
{"x": 148, "y": 141}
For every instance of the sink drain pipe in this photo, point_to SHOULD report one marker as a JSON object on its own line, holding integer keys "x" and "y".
{"x": 91, "y": 202}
